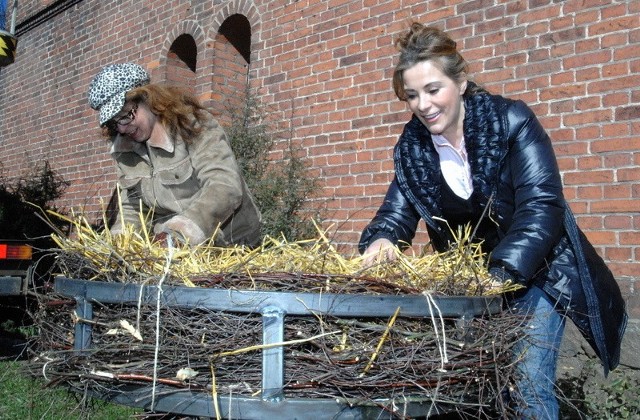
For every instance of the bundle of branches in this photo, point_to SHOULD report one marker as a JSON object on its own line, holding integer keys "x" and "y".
{"x": 464, "y": 362}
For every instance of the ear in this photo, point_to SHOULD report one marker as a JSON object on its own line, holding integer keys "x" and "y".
{"x": 463, "y": 85}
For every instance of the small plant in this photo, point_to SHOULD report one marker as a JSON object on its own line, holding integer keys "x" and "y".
{"x": 23, "y": 198}
{"x": 281, "y": 188}
{"x": 618, "y": 398}
{"x": 590, "y": 396}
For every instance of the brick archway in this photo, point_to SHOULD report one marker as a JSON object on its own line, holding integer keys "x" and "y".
{"x": 234, "y": 42}
{"x": 184, "y": 60}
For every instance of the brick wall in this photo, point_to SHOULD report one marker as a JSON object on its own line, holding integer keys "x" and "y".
{"x": 322, "y": 70}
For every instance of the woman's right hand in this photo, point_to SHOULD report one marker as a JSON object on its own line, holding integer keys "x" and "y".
{"x": 380, "y": 250}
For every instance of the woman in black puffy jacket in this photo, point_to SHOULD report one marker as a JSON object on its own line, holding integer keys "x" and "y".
{"x": 468, "y": 156}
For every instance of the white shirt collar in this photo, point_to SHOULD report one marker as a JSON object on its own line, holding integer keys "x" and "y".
{"x": 454, "y": 166}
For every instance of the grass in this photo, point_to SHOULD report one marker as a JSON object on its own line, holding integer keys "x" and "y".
{"x": 25, "y": 397}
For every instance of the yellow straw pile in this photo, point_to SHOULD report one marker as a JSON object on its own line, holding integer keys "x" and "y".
{"x": 134, "y": 254}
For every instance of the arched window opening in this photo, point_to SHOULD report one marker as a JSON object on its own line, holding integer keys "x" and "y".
{"x": 182, "y": 62}
{"x": 231, "y": 66}
{"x": 184, "y": 48}
{"x": 237, "y": 30}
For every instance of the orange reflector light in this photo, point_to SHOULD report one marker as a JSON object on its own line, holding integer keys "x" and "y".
{"x": 15, "y": 252}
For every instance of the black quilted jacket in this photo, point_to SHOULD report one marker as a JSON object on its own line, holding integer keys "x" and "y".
{"x": 533, "y": 237}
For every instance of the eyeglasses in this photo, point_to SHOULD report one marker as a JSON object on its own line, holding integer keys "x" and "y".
{"x": 124, "y": 120}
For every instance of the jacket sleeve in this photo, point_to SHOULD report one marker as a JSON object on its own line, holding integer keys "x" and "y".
{"x": 396, "y": 220}
{"x": 130, "y": 207}
{"x": 220, "y": 180}
{"x": 530, "y": 171}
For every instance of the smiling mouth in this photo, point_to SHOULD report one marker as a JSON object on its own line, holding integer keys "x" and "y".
{"x": 431, "y": 116}
{"x": 132, "y": 133}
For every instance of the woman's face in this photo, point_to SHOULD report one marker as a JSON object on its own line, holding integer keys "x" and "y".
{"x": 135, "y": 121}
{"x": 435, "y": 99}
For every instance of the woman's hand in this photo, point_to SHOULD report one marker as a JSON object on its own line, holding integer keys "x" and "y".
{"x": 380, "y": 250}
{"x": 182, "y": 229}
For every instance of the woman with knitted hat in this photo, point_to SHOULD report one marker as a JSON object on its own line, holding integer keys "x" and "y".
{"x": 172, "y": 158}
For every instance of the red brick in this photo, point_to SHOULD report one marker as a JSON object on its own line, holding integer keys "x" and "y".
{"x": 618, "y": 222}
{"x": 618, "y": 254}
{"x": 589, "y": 193}
{"x": 630, "y": 238}
{"x": 629, "y": 174}
{"x": 615, "y": 206}
{"x": 601, "y": 176}
{"x": 618, "y": 160}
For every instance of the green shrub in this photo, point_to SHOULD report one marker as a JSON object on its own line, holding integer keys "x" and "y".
{"x": 281, "y": 188}
{"x": 23, "y": 200}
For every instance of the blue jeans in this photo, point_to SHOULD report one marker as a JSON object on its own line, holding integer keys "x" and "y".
{"x": 537, "y": 356}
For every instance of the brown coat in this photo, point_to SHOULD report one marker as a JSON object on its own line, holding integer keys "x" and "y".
{"x": 199, "y": 182}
